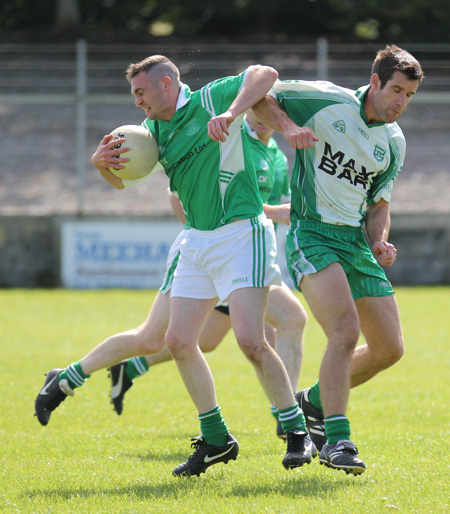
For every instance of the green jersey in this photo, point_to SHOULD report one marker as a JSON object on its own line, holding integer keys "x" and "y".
{"x": 352, "y": 164}
{"x": 281, "y": 191}
{"x": 216, "y": 182}
{"x": 271, "y": 166}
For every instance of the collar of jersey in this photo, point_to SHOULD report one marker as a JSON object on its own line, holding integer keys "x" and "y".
{"x": 361, "y": 94}
{"x": 249, "y": 130}
{"x": 183, "y": 96}
{"x": 271, "y": 145}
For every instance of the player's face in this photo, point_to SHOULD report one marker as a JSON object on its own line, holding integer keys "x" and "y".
{"x": 151, "y": 95}
{"x": 387, "y": 104}
{"x": 263, "y": 132}
{"x": 256, "y": 125}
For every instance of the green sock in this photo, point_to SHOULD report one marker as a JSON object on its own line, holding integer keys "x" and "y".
{"x": 292, "y": 419}
{"x": 337, "y": 428}
{"x": 136, "y": 366}
{"x": 314, "y": 396}
{"x": 274, "y": 411}
{"x": 74, "y": 375}
{"x": 213, "y": 427}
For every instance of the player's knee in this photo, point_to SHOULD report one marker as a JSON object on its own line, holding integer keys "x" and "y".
{"x": 252, "y": 348}
{"x": 172, "y": 342}
{"x": 391, "y": 354}
{"x": 293, "y": 319}
{"x": 177, "y": 344}
{"x": 208, "y": 346}
{"x": 147, "y": 342}
{"x": 296, "y": 320}
{"x": 345, "y": 335}
{"x": 271, "y": 335}
{"x": 152, "y": 345}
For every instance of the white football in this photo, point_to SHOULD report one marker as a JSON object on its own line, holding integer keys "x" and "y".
{"x": 143, "y": 154}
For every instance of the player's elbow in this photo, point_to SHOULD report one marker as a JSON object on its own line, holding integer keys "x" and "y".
{"x": 266, "y": 72}
{"x": 272, "y": 72}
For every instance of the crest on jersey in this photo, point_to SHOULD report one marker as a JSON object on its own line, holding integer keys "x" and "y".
{"x": 339, "y": 125}
{"x": 193, "y": 127}
{"x": 379, "y": 153}
{"x": 263, "y": 164}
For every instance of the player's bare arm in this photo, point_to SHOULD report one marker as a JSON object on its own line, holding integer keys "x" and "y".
{"x": 258, "y": 81}
{"x": 269, "y": 112}
{"x": 106, "y": 156}
{"x": 177, "y": 208}
{"x": 378, "y": 222}
{"x": 278, "y": 213}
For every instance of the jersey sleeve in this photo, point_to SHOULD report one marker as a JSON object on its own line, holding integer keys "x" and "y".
{"x": 217, "y": 96}
{"x": 308, "y": 97}
{"x": 383, "y": 183}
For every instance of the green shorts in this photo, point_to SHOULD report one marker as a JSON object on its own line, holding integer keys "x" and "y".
{"x": 312, "y": 246}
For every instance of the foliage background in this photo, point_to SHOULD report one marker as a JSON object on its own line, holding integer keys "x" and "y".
{"x": 415, "y": 21}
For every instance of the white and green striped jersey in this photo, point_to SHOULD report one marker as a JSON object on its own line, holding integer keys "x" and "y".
{"x": 216, "y": 182}
{"x": 352, "y": 163}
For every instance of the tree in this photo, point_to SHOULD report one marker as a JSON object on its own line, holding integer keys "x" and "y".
{"x": 68, "y": 15}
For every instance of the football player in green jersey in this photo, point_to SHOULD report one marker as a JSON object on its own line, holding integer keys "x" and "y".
{"x": 228, "y": 252}
{"x": 285, "y": 316}
{"x": 349, "y": 151}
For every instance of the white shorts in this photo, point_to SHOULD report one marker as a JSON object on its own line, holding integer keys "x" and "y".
{"x": 214, "y": 263}
{"x": 171, "y": 262}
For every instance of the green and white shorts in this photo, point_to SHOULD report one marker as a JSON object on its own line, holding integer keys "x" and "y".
{"x": 217, "y": 262}
{"x": 312, "y": 246}
{"x": 171, "y": 263}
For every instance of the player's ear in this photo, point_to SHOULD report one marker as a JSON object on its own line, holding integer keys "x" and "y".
{"x": 166, "y": 82}
{"x": 375, "y": 81}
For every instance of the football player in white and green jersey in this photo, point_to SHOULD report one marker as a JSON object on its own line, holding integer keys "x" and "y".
{"x": 349, "y": 151}
{"x": 229, "y": 251}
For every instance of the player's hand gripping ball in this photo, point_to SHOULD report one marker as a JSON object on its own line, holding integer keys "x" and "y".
{"x": 143, "y": 154}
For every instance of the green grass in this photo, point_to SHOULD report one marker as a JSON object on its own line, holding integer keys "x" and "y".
{"x": 89, "y": 460}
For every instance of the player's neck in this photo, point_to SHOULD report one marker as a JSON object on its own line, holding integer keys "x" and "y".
{"x": 264, "y": 138}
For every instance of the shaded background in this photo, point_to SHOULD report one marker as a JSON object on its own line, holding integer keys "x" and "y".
{"x": 415, "y": 21}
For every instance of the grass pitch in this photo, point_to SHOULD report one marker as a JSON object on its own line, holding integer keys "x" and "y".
{"x": 89, "y": 460}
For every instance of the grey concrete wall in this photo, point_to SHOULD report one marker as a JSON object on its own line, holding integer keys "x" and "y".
{"x": 30, "y": 249}
{"x": 423, "y": 244}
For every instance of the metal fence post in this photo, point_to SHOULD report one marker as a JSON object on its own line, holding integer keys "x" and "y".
{"x": 81, "y": 122}
{"x": 322, "y": 59}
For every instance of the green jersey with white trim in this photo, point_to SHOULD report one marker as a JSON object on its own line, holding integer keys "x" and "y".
{"x": 216, "y": 182}
{"x": 281, "y": 191}
{"x": 271, "y": 166}
{"x": 352, "y": 164}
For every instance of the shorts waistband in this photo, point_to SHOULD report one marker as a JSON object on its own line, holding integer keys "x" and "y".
{"x": 229, "y": 228}
{"x": 319, "y": 225}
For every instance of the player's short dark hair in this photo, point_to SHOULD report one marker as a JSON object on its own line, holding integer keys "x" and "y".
{"x": 392, "y": 59}
{"x": 156, "y": 63}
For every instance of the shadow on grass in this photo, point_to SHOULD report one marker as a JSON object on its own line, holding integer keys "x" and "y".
{"x": 172, "y": 457}
{"x": 176, "y": 488}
